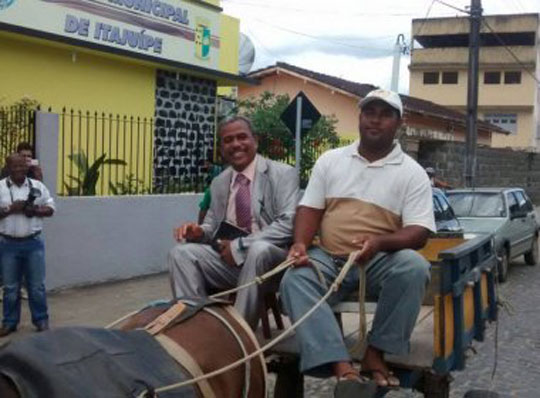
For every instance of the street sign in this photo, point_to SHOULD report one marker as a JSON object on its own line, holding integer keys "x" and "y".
{"x": 300, "y": 116}
{"x": 309, "y": 114}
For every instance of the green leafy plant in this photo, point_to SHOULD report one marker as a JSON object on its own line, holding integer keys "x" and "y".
{"x": 130, "y": 186}
{"x": 88, "y": 176}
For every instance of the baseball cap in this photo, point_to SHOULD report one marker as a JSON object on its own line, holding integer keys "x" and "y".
{"x": 390, "y": 97}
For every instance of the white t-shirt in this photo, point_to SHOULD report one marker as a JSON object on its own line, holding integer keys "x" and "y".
{"x": 360, "y": 197}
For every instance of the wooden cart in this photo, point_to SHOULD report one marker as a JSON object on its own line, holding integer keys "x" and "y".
{"x": 461, "y": 299}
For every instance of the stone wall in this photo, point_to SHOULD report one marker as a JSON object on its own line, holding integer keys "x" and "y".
{"x": 495, "y": 167}
{"x": 185, "y": 123}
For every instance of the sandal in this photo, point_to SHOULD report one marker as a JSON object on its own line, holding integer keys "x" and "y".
{"x": 387, "y": 377}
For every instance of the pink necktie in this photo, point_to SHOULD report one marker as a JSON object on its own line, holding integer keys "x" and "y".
{"x": 243, "y": 202}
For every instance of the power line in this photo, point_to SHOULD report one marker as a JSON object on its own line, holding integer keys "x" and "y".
{"x": 425, "y": 18}
{"x": 444, "y": 3}
{"x": 501, "y": 41}
{"x": 322, "y": 38}
{"x": 316, "y": 11}
{"x": 252, "y": 34}
{"x": 518, "y": 5}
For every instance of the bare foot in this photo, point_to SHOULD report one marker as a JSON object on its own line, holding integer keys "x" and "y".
{"x": 373, "y": 365}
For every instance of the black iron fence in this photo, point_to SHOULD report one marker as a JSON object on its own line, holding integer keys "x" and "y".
{"x": 105, "y": 154}
{"x": 108, "y": 154}
{"x": 17, "y": 124}
{"x": 111, "y": 154}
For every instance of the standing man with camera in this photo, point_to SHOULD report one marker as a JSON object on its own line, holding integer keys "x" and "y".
{"x": 23, "y": 204}
{"x": 34, "y": 171}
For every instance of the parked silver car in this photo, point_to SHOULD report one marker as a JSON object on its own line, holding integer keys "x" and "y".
{"x": 445, "y": 219}
{"x": 507, "y": 213}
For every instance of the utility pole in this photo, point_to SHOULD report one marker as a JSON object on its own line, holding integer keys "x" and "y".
{"x": 399, "y": 48}
{"x": 472, "y": 92}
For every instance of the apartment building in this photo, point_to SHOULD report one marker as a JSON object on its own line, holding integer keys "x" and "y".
{"x": 508, "y": 80}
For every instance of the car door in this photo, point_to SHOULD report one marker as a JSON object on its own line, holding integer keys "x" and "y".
{"x": 528, "y": 223}
{"x": 513, "y": 227}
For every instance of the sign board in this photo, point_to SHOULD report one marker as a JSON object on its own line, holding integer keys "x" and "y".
{"x": 171, "y": 30}
{"x": 310, "y": 114}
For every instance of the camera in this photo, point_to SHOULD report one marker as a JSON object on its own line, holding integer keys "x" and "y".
{"x": 32, "y": 196}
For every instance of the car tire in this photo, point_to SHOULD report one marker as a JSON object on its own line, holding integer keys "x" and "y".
{"x": 531, "y": 257}
{"x": 502, "y": 266}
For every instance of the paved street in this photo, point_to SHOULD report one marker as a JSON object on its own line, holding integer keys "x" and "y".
{"x": 518, "y": 365}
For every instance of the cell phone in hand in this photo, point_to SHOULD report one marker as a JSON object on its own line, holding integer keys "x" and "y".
{"x": 34, "y": 162}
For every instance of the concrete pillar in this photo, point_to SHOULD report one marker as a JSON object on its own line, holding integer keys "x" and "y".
{"x": 47, "y": 125}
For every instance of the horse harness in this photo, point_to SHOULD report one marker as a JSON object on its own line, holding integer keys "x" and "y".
{"x": 184, "y": 359}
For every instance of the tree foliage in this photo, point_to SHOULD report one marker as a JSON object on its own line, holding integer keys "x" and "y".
{"x": 275, "y": 139}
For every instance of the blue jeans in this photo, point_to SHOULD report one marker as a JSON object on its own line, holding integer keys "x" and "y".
{"x": 25, "y": 258}
{"x": 397, "y": 280}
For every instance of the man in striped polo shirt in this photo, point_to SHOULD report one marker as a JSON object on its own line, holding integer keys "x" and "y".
{"x": 368, "y": 196}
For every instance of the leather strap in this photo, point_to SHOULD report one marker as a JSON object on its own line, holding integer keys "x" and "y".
{"x": 162, "y": 321}
{"x": 253, "y": 339}
{"x": 187, "y": 362}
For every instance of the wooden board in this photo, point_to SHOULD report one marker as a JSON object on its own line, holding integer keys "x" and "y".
{"x": 421, "y": 355}
{"x": 436, "y": 245}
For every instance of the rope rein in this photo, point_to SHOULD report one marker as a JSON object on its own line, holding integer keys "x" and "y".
{"x": 332, "y": 289}
{"x": 258, "y": 280}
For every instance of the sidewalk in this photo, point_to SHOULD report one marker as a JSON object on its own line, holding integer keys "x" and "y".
{"x": 97, "y": 305}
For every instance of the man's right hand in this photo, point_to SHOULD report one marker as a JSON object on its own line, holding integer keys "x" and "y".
{"x": 190, "y": 232}
{"x": 17, "y": 206}
{"x": 298, "y": 252}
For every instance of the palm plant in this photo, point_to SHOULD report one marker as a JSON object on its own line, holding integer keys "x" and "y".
{"x": 88, "y": 176}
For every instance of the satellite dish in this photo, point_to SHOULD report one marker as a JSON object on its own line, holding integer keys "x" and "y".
{"x": 246, "y": 54}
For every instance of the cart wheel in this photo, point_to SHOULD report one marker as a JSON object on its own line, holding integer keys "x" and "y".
{"x": 289, "y": 381}
{"x": 436, "y": 386}
{"x": 480, "y": 394}
{"x": 502, "y": 266}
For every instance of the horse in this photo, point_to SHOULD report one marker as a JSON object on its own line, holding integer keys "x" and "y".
{"x": 214, "y": 337}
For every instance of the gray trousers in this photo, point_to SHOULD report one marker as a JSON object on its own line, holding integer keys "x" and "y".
{"x": 398, "y": 280}
{"x": 195, "y": 268}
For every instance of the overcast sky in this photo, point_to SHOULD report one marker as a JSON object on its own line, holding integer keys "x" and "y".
{"x": 351, "y": 39}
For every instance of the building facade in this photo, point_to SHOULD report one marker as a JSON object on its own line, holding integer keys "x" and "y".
{"x": 508, "y": 75}
{"x": 161, "y": 60}
{"x": 423, "y": 120}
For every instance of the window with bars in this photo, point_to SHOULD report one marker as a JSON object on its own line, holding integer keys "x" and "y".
{"x": 506, "y": 121}
{"x": 492, "y": 77}
{"x": 512, "y": 77}
{"x": 449, "y": 78}
{"x": 431, "y": 77}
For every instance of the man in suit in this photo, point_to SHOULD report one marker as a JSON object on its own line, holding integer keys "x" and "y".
{"x": 256, "y": 194}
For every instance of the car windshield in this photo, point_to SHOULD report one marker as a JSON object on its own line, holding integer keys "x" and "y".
{"x": 477, "y": 204}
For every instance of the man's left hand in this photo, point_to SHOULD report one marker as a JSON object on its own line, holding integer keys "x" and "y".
{"x": 226, "y": 253}
{"x": 368, "y": 245}
{"x": 30, "y": 211}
